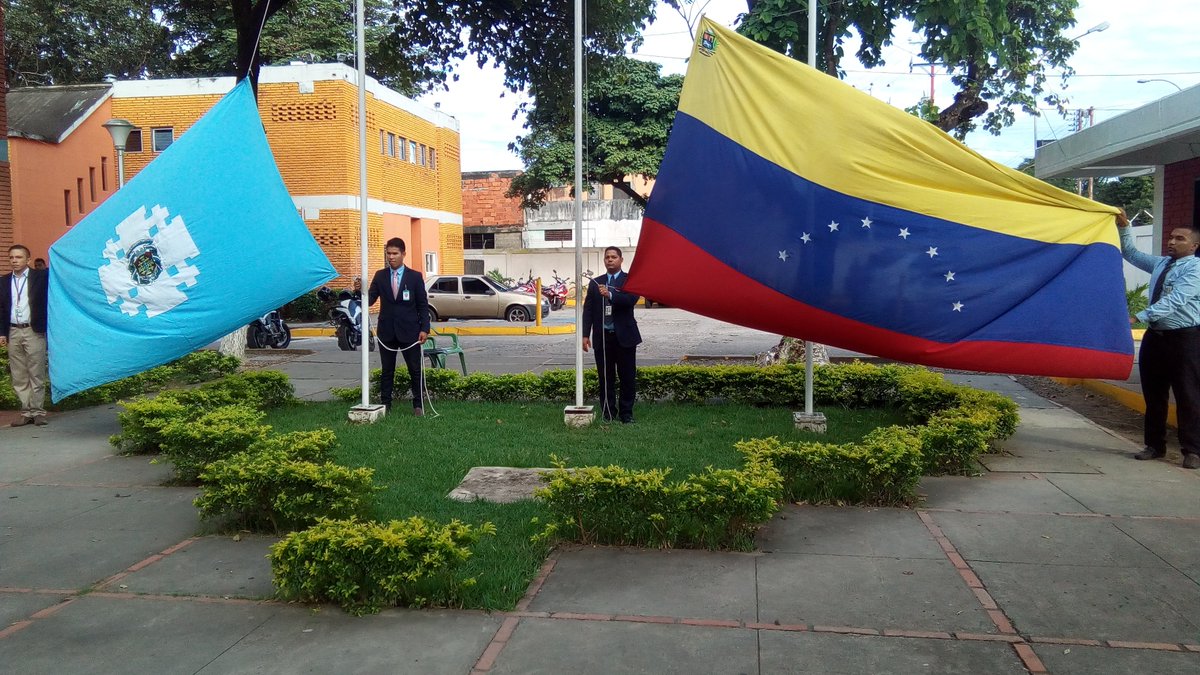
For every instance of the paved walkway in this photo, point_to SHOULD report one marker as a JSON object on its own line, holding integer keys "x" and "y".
{"x": 1066, "y": 556}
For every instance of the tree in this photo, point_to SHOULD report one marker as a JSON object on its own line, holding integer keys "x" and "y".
{"x": 50, "y": 42}
{"x": 1132, "y": 194}
{"x": 630, "y": 106}
{"x": 998, "y": 52}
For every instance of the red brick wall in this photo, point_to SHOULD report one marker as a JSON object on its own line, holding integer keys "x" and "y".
{"x": 6, "y": 212}
{"x": 1179, "y": 195}
{"x": 484, "y": 203}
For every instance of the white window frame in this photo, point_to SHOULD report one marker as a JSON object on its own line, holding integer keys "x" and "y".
{"x": 154, "y": 138}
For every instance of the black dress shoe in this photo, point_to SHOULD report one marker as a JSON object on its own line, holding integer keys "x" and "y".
{"x": 1150, "y": 453}
{"x": 626, "y": 420}
{"x": 40, "y": 421}
{"x": 1191, "y": 461}
{"x": 22, "y": 422}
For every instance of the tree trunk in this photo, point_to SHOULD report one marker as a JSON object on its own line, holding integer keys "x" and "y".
{"x": 248, "y": 19}
{"x": 791, "y": 350}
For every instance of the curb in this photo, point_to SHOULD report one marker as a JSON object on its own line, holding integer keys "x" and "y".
{"x": 560, "y": 329}
{"x": 1130, "y": 399}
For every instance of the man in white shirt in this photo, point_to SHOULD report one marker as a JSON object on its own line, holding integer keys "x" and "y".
{"x": 23, "y": 331}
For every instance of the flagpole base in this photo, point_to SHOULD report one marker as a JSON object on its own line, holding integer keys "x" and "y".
{"x": 814, "y": 422}
{"x": 578, "y": 416}
{"x": 367, "y": 414}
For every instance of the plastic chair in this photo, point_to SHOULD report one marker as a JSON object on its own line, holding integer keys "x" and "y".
{"x": 437, "y": 355}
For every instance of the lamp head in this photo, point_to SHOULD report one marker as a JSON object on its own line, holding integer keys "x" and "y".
{"x": 119, "y": 130}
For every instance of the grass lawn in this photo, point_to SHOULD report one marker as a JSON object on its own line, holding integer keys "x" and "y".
{"x": 418, "y": 460}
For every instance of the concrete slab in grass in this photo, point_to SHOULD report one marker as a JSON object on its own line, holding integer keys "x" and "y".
{"x": 18, "y": 606}
{"x": 299, "y": 640}
{"x": 1005, "y": 492}
{"x": 896, "y": 533}
{"x": 1079, "y": 660}
{"x": 75, "y": 558}
{"x": 694, "y": 584}
{"x": 902, "y": 594}
{"x": 108, "y": 635}
{"x": 1101, "y": 603}
{"x": 1046, "y": 540}
{"x": 832, "y": 654}
{"x": 1176, "y": 495}
{"x": 1175, "y": 541}
{"x": 213, "y": 566}
{"x": 547, "y": 646}
{"x": 112, "y": 471}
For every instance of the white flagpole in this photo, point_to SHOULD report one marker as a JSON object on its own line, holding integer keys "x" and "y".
{"x": 578, "y": 204}
{"x": 808, "y": 345}
{"x": 365, "y": 328}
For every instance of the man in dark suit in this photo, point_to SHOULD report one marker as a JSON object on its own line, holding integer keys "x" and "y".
{"x": 403, "y": 321}
{"x": 23, "y": 331}
{"x": 608, "y": 320}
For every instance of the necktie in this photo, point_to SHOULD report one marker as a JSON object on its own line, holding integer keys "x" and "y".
{"x": 1158, "y": 285}
{"x": 395, "y": 283}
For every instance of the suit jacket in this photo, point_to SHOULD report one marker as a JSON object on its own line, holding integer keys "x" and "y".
{"x": 38, "y": 283}
{"x": 622, "y": 303}
{"x": 400, "y": 321}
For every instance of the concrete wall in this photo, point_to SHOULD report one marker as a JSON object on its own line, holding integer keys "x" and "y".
{"x": 610, "y": 222}
{"x": 1144, "y": 235}
{"x": 518, "y": 264}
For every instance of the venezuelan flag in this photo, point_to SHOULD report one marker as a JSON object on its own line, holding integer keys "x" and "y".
{"x": 791, "y": 202}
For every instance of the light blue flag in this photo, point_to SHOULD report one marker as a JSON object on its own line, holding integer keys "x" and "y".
{"x": 199, "y": 243}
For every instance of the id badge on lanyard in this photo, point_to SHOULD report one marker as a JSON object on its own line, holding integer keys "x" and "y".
{"x": 405, "y": 295}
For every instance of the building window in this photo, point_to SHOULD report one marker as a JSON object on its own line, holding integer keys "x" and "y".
{"x": 391, "y": 145}
{"x": 402, "y": 149}
{"x": 412, "y": 151}
{"x": 104, "y": 174}
{"x": 134, "y": 142}
{"x": 92, "y": 181}
{"x": 558, "y": 235}
{"x": 67, "y": 206}
{"x": 163, "y": 138}
{"x": 431, "y": 263}
{"x": 423, "y": 157}
{"x": 479, "y": 240}
{"x": 383, "y": 142}
{"x": 79, "y": 193}
{"x": 432, "y": 162}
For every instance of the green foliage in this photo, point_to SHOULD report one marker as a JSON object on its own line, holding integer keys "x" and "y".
{"x": 262, "y": 389}
{"x": 495, "y": 275}
{"x": 305, "y": 446}
{"x": 143, "y": 420}
{"x": 631, "y": 107}
{"x": 718, "y": 508}
{"x": 191, "y": 445}
{"x": 8, "y": 397}
{"x": 269, "y": 488}
{"x": 304, "y": 308}
{"x": 1137, "y": 301}
{"x": 196, "y": 367}
{"x": 366, "y": 566}
{"x": 1132, "y": 194}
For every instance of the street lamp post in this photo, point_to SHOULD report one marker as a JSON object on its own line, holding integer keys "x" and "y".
{"x": 1159, "y": 79}
{"x": 119, "y": 130}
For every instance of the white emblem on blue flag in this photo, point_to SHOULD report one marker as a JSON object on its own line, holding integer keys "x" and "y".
{"x": 149, "y": 263}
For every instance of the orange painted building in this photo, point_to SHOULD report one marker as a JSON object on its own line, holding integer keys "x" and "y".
{"x": 309, "y": 114}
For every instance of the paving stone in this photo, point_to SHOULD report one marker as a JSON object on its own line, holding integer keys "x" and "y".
{"x": 1176, "y": 495}
{"x": 19, "y": 606}
{"x": 1002, "y": 384}
{"x": 832, "y": 654}
{"x": 1150, "y": 604}
{"x": 44, "y": 506}
{"x": 1080, "y": 660}
{"x": 300, "y": 640}
{"x": 98, "y": 635}
{"x": 587, "y": 647}
{"x": 694, "y": 584}
{"x": 1004, "y": 492}
{"x": 113, "y": 471}
{"x": 213, "y": 566}
{"x": 1040, "y": 539}
{"x": 897, "y": 533}
{"x": 64, "y": 558}
{"x": 879, "y": 593}
{"x": 1036, "y": 464}
{"x": 1175, "y": 541}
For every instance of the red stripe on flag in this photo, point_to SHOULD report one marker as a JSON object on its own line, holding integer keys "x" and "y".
{"x": 669, "y": 268}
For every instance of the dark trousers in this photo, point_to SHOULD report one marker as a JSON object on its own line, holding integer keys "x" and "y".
{"x": 1170, "y": 361}
{"x": 617, "y": 367}
{"x": 412, "y": 360}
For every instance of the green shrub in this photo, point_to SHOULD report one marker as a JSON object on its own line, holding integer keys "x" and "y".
{"x": 305, "y": 446}
{"x": 269, "y": 490}
{"x": 262, "y": 389}
{"x": 723, "y": 508}
{"x": 204, "y": 365}
{"x": 143, "y": 420}
{"x": 365, "y": 566}
{"x": 307, "y": 307}
{"x": 191, "y": 445}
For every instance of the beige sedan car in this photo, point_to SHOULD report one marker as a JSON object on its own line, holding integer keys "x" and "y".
{"x": 475, "y": 296}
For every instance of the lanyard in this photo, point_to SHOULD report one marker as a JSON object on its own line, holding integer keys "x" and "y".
{"x": 19, "y": 287}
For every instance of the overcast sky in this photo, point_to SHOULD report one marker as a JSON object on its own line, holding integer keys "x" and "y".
{"x": 1145, "y": 40}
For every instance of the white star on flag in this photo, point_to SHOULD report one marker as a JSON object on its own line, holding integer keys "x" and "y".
{"x": 783, "y": 255}
{"x": 949, "y": 277}
{"x": 833, "y": 226}
{"x": 932, "y": 251}
{"x": 958, "y": 306}
{"x": 805, "y": 238}
{"x": 904, "y": 233}
{"x": 866, "y": 222}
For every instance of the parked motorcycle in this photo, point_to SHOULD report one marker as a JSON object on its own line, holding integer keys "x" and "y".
{"x": 556, "y": 293}
{"x": 527, "y": 286}
{"x": 269, "y": 330}
{"x": 345, "y": 315}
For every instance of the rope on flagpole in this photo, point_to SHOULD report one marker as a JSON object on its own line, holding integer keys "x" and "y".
{"x": 266, "y": 5}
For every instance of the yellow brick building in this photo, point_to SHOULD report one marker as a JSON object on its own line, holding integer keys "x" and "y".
{"x": 309, "y": 112}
